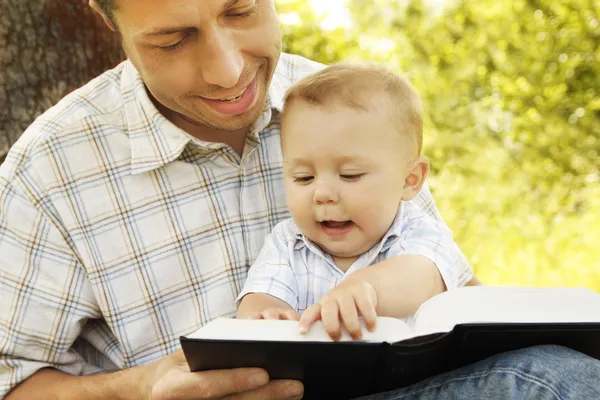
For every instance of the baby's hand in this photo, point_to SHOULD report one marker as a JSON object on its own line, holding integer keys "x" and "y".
{"x": 345, "y": 302}
{"x": 275, "y": 313}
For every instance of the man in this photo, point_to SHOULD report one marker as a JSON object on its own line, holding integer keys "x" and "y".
{"x": 131, "y": 211}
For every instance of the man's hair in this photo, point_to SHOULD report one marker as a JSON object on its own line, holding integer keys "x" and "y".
{"x": 108, "y": 6}
{"x": 364, "y": 87}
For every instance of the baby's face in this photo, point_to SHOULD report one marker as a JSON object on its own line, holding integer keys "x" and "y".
{"x": 344, "y": 172}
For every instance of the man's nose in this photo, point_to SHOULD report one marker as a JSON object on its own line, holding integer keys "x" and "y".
{"x": 325, "y": 193}
{"x": 222, "y": 62}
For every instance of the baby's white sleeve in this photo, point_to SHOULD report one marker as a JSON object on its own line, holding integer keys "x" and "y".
{"x": 432, "y": 239}
{"x": 272, "y": 273}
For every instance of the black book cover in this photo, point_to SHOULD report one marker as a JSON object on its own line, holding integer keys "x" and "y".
{"x": 346, "y": 370}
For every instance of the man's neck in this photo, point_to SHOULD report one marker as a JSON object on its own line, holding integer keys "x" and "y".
{"x": 234, "y": 139}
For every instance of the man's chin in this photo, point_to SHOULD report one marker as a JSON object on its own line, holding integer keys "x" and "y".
{"x": 233, "y": 123}
{"x": 228, "y": 122}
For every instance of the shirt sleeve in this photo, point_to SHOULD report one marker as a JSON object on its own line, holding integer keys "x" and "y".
{"x": 425, "y": 201}
{"x": 272, "y": 272}
{"x": 422, "y": 235}
{"x": 46, "y": 298}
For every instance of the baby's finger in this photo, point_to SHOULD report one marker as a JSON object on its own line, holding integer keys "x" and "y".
{"x": 330, "y": 314}
{"x": 366, "y": 308}
{"x": 271, "y": 313}
{"x": 254, "y": 315}
{"x": 309, "y": 317}
{"x": 349, "y": 316}
{"x": 290, "y": 315}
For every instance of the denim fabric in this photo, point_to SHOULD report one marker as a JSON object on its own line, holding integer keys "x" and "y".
{"x": 540, "y": 372}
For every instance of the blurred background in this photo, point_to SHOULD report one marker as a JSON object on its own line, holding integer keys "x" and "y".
{"x": 511, "y": 91}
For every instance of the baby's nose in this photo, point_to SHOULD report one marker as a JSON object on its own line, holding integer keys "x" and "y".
{"x": 325, "y": 194}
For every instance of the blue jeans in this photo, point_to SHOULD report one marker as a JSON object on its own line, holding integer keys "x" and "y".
{"x": 541, "y": 372}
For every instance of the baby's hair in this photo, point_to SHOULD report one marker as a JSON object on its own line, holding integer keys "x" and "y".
{"x": 365, "y": 87}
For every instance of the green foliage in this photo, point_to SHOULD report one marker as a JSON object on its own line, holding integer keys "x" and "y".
{"x": 512, "y": 97}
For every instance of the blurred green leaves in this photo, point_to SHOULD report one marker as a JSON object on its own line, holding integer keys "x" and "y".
{"x": 512, "y": 97}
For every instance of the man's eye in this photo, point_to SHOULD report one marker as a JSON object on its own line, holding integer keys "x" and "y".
{"x": 303, "y": 179}
{"x": 351, "y": 178}
{"x": 173, "y": 47}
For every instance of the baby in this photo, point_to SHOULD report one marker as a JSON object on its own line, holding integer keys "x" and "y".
{"x": 356, "y": 246}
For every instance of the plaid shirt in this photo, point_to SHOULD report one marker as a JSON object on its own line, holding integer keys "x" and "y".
{"x": 295, "y": 270}
{"x": 119, "y": 232}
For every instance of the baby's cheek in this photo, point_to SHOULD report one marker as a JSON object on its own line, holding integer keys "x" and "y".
{"x": 300, "y": 209}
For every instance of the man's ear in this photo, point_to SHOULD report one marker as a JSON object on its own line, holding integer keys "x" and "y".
{"x": 418, "y": 170}
{"x": 100, "y": 11}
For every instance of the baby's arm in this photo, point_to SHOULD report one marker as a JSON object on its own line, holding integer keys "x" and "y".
{"x": 420, "y": 264}
{"x": 385, "y": 289}
{"x": 264, "y": 306}
{"x": 402, "y": 284}
{"x": 271, "y": 289}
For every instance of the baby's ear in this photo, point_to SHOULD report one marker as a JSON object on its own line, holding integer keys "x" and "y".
{"x": 418, "y": 170}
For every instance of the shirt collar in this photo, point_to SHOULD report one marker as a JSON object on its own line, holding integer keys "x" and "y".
{"x": 277, "y": 88}
{"x": 156, "y": 141}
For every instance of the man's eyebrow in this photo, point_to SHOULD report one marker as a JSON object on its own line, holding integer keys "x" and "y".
{"x": 183, "y": 29}
{"x": 169, "y": 31}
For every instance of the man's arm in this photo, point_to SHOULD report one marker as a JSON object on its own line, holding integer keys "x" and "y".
{"x": 167, "y": 379}
{"x": 51, "y": 384}
{"x": 34, "y": 287}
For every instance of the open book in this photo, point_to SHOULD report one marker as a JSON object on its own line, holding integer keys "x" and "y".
{"x": 449, "y": 330}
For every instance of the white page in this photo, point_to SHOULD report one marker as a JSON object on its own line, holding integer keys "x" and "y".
{"x": 506, "y": 304}
{"x": 387, "y": 330}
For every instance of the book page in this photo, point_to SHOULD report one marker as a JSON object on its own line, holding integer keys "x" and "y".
{"x": 387, "y": 330}
{"x": 479, "y": 304}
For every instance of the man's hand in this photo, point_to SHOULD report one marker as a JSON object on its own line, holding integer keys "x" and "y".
{"x": 173, "y": 380}
{"x": 343, "y": 305}
{"x": 167, "y": 379}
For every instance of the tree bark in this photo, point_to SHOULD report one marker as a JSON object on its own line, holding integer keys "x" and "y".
{"x": 47, "y": 49}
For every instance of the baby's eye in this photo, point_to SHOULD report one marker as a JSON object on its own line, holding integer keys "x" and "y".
{"x": 303, "y": 179}
{"x": 351, "y": 177}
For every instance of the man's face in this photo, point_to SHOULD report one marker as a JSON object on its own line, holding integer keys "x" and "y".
{"x": 207, "y": 62}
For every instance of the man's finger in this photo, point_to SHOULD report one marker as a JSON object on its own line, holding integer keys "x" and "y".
{"x": 274, "y": 390}
{"x": 309, "y": 317}
{"x": 185, "y": 385}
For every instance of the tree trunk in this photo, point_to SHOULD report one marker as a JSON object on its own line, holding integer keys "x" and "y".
{"x": 47, "y": 49}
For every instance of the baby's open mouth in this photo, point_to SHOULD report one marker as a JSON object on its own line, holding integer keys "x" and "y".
{"x": 336, "y": 224}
